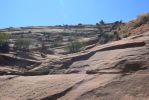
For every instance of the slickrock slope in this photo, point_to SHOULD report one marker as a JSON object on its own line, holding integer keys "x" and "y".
{"x": 114, "y": 71}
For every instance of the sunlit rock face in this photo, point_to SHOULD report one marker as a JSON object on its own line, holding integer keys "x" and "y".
{"x": 115, "y": 71}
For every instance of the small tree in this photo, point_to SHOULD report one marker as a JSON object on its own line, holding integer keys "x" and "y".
{"x": 102, "y": 22}
{"x": 109, "y": 36}
{"x": 4, "y": 45}
{"x": 80, "y": 24}
{"x": 22, "y": 44}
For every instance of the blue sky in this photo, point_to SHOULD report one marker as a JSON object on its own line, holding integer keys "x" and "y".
{"x": 16, "y": 13}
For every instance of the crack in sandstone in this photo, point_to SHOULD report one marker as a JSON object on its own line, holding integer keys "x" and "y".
{"x": 124, "y": 46}
{"x": 63, "y": 93}
{"x": 57, "y": 95}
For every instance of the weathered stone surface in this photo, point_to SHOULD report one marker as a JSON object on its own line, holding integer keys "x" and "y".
{"x": 114, "y": 71}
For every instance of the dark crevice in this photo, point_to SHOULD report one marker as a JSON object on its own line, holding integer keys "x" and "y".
{"x": 17, "y": 63}
{"x": 123, "y": 46}
{"x": 63, "y": 93}
{"x": 58, "y": 95}
{"x": 66, "y": 64}
{"x": 97, "y": 72}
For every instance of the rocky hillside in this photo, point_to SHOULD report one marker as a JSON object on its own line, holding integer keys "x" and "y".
{"x": 56, "y": 38}
{"x": 76, "y": 62}
{"x": 114, "y": 71}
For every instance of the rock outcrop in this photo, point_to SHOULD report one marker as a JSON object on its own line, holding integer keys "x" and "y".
{"x": 114, "y": 71}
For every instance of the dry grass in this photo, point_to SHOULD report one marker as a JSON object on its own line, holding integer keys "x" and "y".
{"x": 138, "y": 26}
{"x": 142, "y": 19}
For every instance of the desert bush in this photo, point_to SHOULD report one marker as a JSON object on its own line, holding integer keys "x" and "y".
{"x": 116, "y": 25}
{"x": 75, "y": 46}
{"x": 135, "y": 26}
{"x": 4, "y": 45}
{"x": 142, "y": 19}
{"x": 109, "y": 36}
{"x": 22, "y": 44}
{"x": 4, "y": 37}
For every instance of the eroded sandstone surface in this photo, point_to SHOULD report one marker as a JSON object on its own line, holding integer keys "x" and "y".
{"x": 115, "y": 71}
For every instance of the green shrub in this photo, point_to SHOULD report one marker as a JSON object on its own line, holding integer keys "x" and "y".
{"x": 22, "y": 44}
{"x": 4, "y": 45}
{"x": 75, "y": 46}
{"x": 109, "y": 36}
{"x": 4, "y": 37}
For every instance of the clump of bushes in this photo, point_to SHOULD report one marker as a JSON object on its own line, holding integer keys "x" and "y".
{"x": 75, "y": 46}
{"x": 22, "y": 44}
{"x": 142, "y": 19}
{"x": 137, "y": 26}
{"x": 108, "y": 36}
{"x": 116, "y": 25}
{"x": 4, "y": 45}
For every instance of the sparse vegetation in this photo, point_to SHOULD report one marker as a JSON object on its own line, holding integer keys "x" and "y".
{"x": 22, "y": 44}
{"x": 4, "y": 45}
{"x": 61, "y": 36}
{"x": 75, "y": 46}
{"x": 108, "y": 36}
{"x": 137, "y": 26}
{"x": 116, "y": 25}
{"x": 142, "y": 19}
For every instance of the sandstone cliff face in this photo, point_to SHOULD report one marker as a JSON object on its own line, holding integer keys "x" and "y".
{"x": 114, "y": 71}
